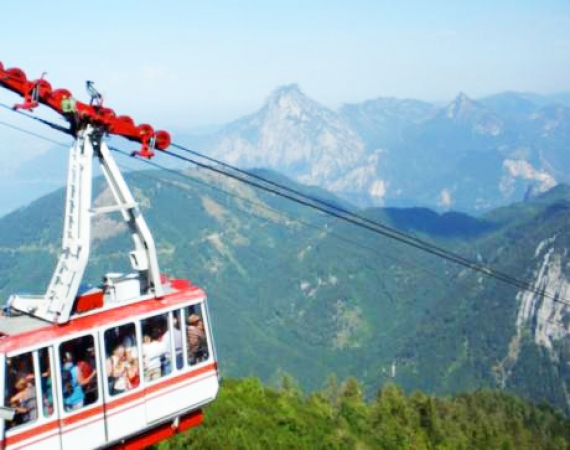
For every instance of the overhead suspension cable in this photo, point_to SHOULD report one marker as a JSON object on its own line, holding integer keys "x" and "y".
{"x": 258, "y": 204}
{"x": 370, "y": 225}
{"x": 528, "y": 287}
{"x": 31, "y": 133}
{"x": 297, "y": 192}
{"x": 392, "y": 231}
{"x": 302, "y": 222}
{"x": 539, "y": 292}
{"x": 55, "y": 126}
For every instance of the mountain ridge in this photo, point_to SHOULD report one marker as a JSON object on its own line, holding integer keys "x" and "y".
{"x": 391, "y": 152}
{"x": 469, "y": 155}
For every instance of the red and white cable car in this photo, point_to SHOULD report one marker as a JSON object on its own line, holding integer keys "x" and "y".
{"x": 121, "y": 365}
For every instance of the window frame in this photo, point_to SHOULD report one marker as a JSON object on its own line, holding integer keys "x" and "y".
{"x": 209, "y": 331}
{"x": 204, "y": 315}
{"x": 60, "y": 399}
{"x": 34, "y": 352}
{"x": 180, "y": 311}
{"x": 50, "y": 353}
{"x": 138, "y": 342}
{"x": 166, "y": 313}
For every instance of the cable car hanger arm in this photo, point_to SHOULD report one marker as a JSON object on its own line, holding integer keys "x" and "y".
{"x": 78, "y": 114}
{"x": 88, "y": 124}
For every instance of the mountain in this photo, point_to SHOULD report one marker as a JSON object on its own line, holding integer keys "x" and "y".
{"x": 470, "y": 116}
{"x": 448, "y": 160}
{"x": 382, "y": 122}
{"x": 511, "y": 105}
{"x": 561, "y": 98}
{"x": 33, "y": 178}
{"x": 295, "y": 291}
{"x": 302, "y": 139}
{"x": 467, "y": 155}
{"x": 521, "y": 338}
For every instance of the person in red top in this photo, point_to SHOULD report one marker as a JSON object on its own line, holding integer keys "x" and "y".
{"x": 133, "y": 373}
{"x": 87, "y": 374}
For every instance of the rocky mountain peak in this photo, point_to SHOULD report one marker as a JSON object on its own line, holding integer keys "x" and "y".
{"x": 289, "y": 107}
{"x": 289, "y": 99}
{"x": 296, "y": 135}
{"x": 482, "y": 152}
{"x": 292, "y": 89}
{"x": 467, "y": 112}
{"x": 461, "y": 107}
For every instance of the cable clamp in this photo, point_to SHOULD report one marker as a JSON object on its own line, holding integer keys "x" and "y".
{"x": 147, "y": 148}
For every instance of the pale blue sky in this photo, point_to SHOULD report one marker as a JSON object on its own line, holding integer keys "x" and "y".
{"x": 185, "y": 64}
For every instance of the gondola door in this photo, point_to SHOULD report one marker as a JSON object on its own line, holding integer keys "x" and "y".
{"x": 80, "y": 403}
{"x": 123, "y": 391}
{"x": 180, "y": 372}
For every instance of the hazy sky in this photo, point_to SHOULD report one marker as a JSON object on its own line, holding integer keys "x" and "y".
{"x": 182, "y": 63}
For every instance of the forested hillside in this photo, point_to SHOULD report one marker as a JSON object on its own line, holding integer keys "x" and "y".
{"x": 295, "y": 291}
{"x": 248, "y": 415}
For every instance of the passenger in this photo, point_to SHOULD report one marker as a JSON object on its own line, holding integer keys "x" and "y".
{"x": 130, "y": 345}
{"x": 117, "y": 366}
{"x": 24, "y": 402}
{"x": 196, "y": 337}
{"x": 133, "y": 373}
{"x": 73, "y": 382}
{"x": 202, "y": 342}
{"x": 86, "y": 370}
{"x": 153, "y": 351}
{"x": 73, "y": 396}
{"x": 17, "y": 368}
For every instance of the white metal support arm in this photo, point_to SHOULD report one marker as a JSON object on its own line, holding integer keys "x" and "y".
{"x": 57, "y": 303}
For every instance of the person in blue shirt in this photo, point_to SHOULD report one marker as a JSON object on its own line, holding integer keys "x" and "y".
{"x": 73, "y": 382}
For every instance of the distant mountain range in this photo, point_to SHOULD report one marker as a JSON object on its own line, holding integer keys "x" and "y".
{"x": 294, "y": 291}
{"x": 468, "y": 155}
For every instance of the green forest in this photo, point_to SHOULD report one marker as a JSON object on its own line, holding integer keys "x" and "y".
{"x": 250, "y": 415}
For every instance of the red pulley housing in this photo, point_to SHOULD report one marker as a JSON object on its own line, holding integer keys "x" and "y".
{"x": 62, "y": 101}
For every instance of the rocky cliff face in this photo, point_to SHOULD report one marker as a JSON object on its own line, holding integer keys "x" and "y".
{"x": 302, "y": 139}
{"x": 547, "y": 317}
{"x": 543, "y": 320}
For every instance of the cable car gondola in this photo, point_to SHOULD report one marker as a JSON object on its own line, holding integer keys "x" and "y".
{"x": 123, "y": 364}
